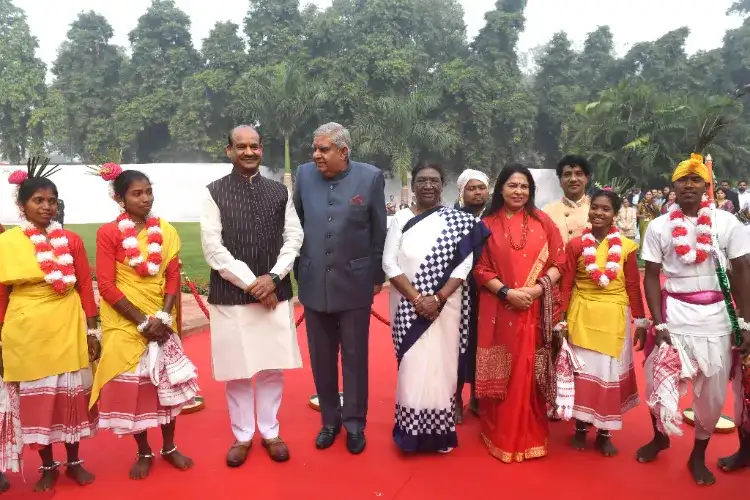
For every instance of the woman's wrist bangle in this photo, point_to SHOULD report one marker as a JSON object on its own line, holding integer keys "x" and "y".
{"x": 164, "y": 317}
{"x": 661, "y": 327}
{"x": 415, "y": 299}
{"x": 642, "y": 322}
{"x": 143, "y": 325}
{"x": 94, "y": 332}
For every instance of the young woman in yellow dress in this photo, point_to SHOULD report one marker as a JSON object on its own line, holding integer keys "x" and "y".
{"x": 138, "y": 274}
{"x": 49, "y": 331}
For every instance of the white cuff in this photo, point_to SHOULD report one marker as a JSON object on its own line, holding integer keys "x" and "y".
{"x": 661, "y": 327}
{"x": 164, "y": 317}
{"x": 643, "y": 322}
{"x": 562, "y": 325}
{"x": 143, "y": 325}
{"x": 744, "y": 325}
{"x": 95, "y": 332}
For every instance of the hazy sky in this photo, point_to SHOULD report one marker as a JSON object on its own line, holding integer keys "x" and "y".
{"x": 631, "y": 21}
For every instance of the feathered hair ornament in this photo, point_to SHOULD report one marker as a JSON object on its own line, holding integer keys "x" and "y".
{"x": 33, "y": 169}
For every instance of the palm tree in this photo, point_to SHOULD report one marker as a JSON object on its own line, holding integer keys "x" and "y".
{"x": 398, "y": 127}
{"x": 282, "y": 98}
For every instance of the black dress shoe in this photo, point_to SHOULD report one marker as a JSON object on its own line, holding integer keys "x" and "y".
{"x": 355, "y": 442}
{"x": 326, "y": 437}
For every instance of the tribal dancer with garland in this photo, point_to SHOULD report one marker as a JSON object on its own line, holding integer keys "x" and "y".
{"x": 143, "y": 379}
{"x": 690, "y": 313}
{"x": 49, "y": 333}
{"x": 601, "y": 291}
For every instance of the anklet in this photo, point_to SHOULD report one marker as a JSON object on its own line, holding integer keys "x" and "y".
{"x": 582, "y": 431}
{"x": 604, "y": 434}
{"x": 145, "y": 455}
{"x": 48, "y": 468}
{"x": 74, "y": 464}
{"x": 169, "y": 452}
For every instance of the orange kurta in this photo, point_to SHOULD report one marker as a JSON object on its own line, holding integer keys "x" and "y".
{"x": 513, "y": 407}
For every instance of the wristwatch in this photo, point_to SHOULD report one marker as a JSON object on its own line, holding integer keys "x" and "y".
{"x": 503, "y": 292}
{"x": 275, "y": 278}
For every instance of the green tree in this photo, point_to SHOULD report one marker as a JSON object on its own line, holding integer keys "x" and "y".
{"x": 86, "y": 91}
{"x": 400, "y": 128}
{"x": 205, "y": 113}
{"x": 22, "y": 86}
{"x": 162, "y": 59}
{"x": 281, "y": 98}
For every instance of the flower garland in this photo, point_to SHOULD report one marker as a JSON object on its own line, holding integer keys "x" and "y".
{"x": 151, "y": 264}
{"x": 703, "y": 241}
{"x": 612, "y": 267}
{"x": 53, "y": 255}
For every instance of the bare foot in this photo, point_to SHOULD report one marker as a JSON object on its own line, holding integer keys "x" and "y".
{"x": 700, "y": 473}
{"x": 178, "y": 460}
{"x": 578, "y": 442}
{"x": 649, "y": 452}
{"x": 80, "y": 475}
{"x": 142, "y": 467}
{"x": 604, "y": 445}
{"x": 4, "y": 483}
{"x": 47, "y": 481}
{"x": 732, "y": 463}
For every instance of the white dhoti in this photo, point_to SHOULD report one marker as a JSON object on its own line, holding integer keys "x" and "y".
{"x": 713, "y": 358}
{"x": 252, "y": 344}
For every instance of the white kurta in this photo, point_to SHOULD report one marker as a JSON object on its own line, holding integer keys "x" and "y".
{"x": 247, "y": 339}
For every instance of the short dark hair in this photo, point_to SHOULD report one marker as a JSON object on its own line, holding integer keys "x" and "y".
{"x": 31, "y": 185}
{"x": 613, "y": 198}
{"x": 231, "y": 133}
{"x": 424, "y": 166}
{"x": 573, "y": 161}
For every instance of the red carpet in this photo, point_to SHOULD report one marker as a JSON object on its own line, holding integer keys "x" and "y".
{"x": 381, "y": 471}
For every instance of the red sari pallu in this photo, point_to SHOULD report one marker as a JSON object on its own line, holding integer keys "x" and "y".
{"x": 515, "y": 344}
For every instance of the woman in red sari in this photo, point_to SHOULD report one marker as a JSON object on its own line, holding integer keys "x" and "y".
{"x": 516, "y": 273}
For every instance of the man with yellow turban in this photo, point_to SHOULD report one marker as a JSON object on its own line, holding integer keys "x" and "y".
{"x": 473, "y": 192}
{"x": 689, "y": 312}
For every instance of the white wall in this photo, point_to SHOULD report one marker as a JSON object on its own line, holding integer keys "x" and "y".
{"x": 177, "y": 188}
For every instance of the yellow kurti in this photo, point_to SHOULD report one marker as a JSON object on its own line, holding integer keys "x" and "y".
{"x": 570, "y": 220}
{"x": 122, "y": 344}
{"x": 44, "y": 333}
{"x": 596, "y": 316}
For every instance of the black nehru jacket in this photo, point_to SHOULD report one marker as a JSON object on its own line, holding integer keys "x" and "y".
{"x": 252, "y": 218}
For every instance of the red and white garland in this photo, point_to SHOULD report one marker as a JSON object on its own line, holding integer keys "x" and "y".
{"x": 612, "y": 267}
{"x": 703, "y": 239}
{"x": 151, "y": 264}
{"x": 53, "y": 255}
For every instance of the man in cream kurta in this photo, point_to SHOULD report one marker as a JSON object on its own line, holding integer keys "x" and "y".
{"x": 251, "y": 235}
{"x": 696, "y": 322}
{"x": 571, "y": 213}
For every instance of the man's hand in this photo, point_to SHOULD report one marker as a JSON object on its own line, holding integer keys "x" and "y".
{"x": 376, "y": 289}
{"x": 95, "y": 348}
{"x": 270, "y": 301}
{"x": 663, "y": 336}
{"x": 639, "y": 339}
{"x": 261, "y": 287}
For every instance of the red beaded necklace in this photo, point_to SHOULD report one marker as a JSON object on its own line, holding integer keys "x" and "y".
{"x": 524, "y": 233}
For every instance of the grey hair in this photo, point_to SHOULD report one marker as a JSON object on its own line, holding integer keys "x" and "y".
{"x": 337, "y": 133}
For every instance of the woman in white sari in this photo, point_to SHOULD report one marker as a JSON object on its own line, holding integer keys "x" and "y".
{"x": 429, "y": 252}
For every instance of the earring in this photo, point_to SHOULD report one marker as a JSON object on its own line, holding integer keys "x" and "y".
{"x": 122, "y": 206}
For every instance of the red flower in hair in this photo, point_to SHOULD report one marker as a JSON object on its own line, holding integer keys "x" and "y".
{"x": 110, "y": 171}
{"x": 17, "y": 177}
